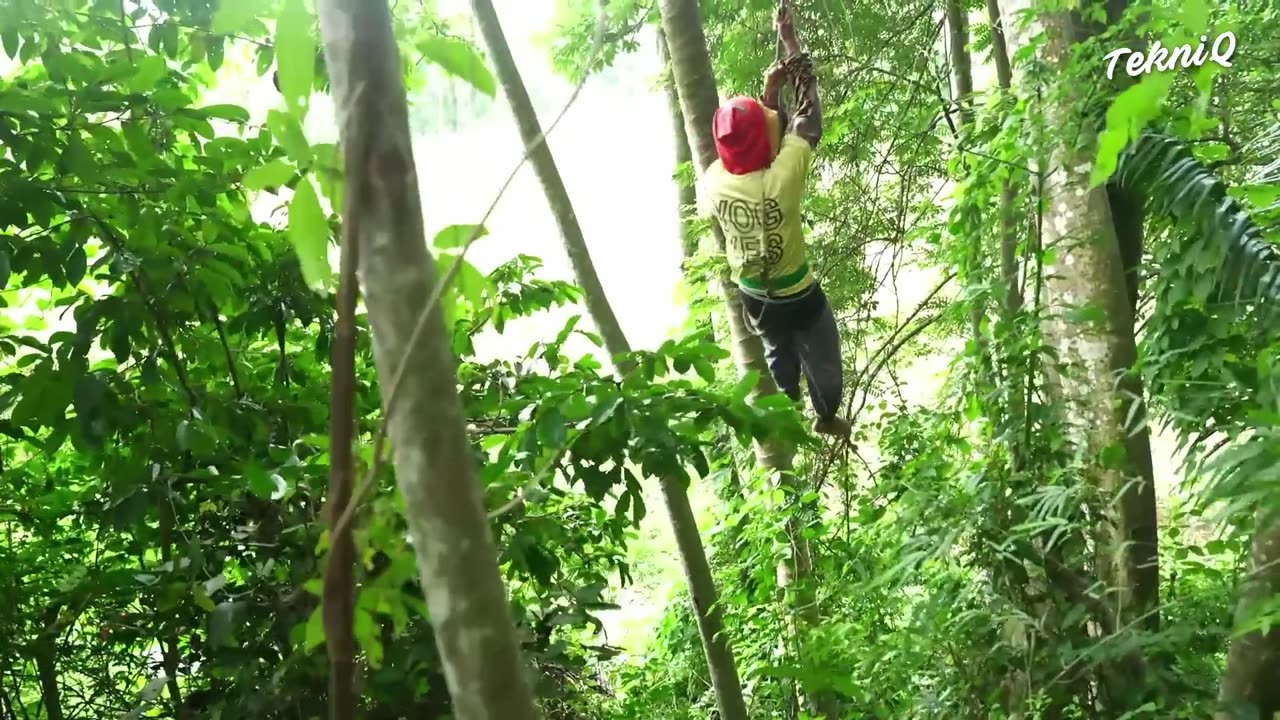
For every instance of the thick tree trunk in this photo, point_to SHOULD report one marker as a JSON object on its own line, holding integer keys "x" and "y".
{"x": 1129, "y": 213}
{"x": 696, "y": 86}
{"x": 435, "y": 469}
{"x": 1089, "y": 272}
{"x": 702, "y": 590}
{"x": 1251, "y": 683}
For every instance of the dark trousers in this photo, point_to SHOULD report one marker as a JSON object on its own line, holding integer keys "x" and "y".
{"x": 800, "y": 335}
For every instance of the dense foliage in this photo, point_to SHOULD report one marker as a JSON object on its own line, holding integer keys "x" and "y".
{"x": 164, "y": 397}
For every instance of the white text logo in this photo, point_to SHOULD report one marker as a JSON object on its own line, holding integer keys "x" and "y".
{"x": 1163, "y": 58}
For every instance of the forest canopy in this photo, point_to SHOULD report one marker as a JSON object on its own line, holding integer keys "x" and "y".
{"x": 369, "y": 359}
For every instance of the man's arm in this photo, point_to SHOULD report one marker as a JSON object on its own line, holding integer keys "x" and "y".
{"x": 807, "y": 120}
{"x": 773, "y": 81}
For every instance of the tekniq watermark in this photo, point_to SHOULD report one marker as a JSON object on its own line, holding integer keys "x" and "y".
{"x": 1163, "y": 58}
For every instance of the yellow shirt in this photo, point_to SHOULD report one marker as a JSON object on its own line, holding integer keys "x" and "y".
{"x": 760, "y": 215}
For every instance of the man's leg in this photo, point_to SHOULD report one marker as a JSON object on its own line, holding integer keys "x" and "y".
{"x": 818, "y": 347}
{"x": 779, "y": 346}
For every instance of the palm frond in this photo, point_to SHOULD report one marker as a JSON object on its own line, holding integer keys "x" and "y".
{"x": 1183, "y": 189}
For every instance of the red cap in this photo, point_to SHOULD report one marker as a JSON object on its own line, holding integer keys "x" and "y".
{"x": 742, "y": 135}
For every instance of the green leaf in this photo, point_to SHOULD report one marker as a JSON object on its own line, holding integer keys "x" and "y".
{"x": 146, "y": 72}
{"x": 288, "y": 133}
{"x": 75, "y": 265}
{"x": 459, "y": 58}
{"x": 1128, "y": 114}
{"x": 296, "y": 55}
{"x": 272, "y": 175}
{"x": 456, "y": 236}
{"x": 259, "y": 482}
{"x": 309, "y": 233}
{"x": 328, "y": 172}
{"x": 5, "y": 269}
{"x": 315, "y": 630}
{"x": 745, "y": 385}
{"x": 232, "y": 113}
{"x": 11, "y": 41}
{"x": 471, "y": 284}
{"x": 121, "y": 342}
{"x": 1195, "y": 15}
{"x": 705, "y": 370}
{"x": 234, "y": 15}
{"x": 551, "y": 428}
{"x": 366, "y": 632}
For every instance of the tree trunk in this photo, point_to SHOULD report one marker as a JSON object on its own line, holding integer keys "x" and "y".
{"x": 1008, "y": 196}
{"x": 544, "y": 166}
{"x": 688, "y": 194}
{"x": 1251, "y": 683}
{"x": 435, "y": 470}
{"x": 962, "y": 94}
{"x": 961, "y": 62}
{"x": 696, "y": 86}
{"x": 1089, "y": 272}
{"x": 702, "y": 590}
{"x": 46, "y": 656}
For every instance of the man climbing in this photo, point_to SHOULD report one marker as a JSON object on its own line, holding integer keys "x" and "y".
{"x": 755, "y": 190}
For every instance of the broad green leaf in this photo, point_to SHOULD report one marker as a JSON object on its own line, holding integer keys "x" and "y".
{"x": 315, "y": 629}
{"x": 75, "y": 265}
{"x": 296, "y": 55}
{"x": 288, "y": 133}
{"x": 258, "y": 481}
{"x": 5, "y": 269}
{"x": 459, "y": 59}
{"x": 272, "y": 175}
{"x": 233, "y": 15}
{"x": 745, "y": 385}
{"x": 226, "y": 111}
{"x": 147, "y": 71}
{"x": 1128, "y": 114}
{"x": 11, "y": 41}
{"x": 456, "y": 236}
{"x": 471, "y": 284}
{"x": 366, "y": 632}
{"x": 327, "y": 171}
{"x": 309, "y": 233}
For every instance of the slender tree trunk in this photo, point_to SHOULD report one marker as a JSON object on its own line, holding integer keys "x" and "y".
{"x": 1008, "y": 196}
{"x": 688, "y": 194}
{"x": 1089, "y": 272}
{"x": 169, "y": 652}
{"x": 46, "y": 656}
{"x": 696, "y": 86}
{"x": 1251, "y": 683}
{"x": 544, "y": 166}
{"x": 457, "y": 561}
{"x": 962, "y": 94}
{"x": 702, "y": 590}
{"x": 961, "y": 61}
